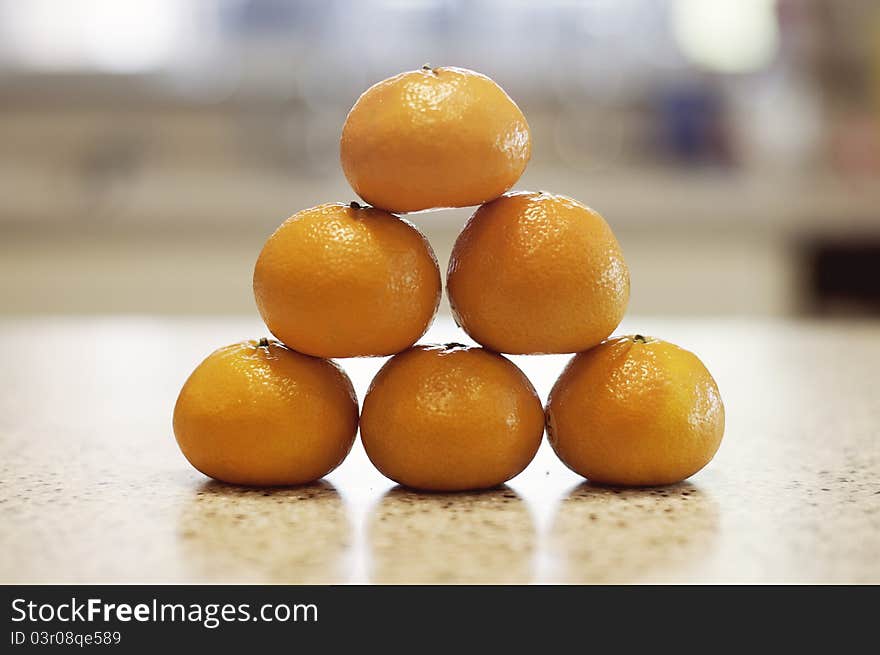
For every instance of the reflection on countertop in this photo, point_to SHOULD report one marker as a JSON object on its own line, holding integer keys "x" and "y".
{"x": 481, "y": 537}
{"x": 610, "y": 535}
{"x": 297, "y": 535}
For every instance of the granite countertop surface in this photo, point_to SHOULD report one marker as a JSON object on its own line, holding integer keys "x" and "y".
{"x": 94, "y": 489}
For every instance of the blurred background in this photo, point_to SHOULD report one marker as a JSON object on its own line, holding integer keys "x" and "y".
{"x": 149, "y": 147}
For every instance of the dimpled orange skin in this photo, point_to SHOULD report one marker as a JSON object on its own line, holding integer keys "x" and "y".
{"x": 265, "y": 416}
{"x": 537, "y": 273}
{"x": 451, "y": 418}
{"x": 635, "y": 411}
{"x": 337, "y": 281}
{"x": 443, "y": 137}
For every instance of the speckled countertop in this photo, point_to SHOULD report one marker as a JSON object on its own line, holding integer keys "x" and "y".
{"x": 93, "y": 488}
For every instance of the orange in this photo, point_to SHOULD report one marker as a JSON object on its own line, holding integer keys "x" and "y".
{"x": 347, "y": 281}
{"x": 635, "y": 411}
{"x": 451, "y": 418}
{"x": 435, "y": 137}
{"x": 258, "y": 413}
{"x": 537, "y": 273}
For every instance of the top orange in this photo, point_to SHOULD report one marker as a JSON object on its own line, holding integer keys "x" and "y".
{"x": 435, "y": 137}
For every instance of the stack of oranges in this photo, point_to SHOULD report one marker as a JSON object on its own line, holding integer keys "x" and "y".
{"x": 530, "y": 273}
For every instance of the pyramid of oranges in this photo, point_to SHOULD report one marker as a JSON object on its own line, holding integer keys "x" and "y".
{"x": 530, "y": 273}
